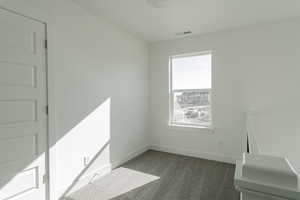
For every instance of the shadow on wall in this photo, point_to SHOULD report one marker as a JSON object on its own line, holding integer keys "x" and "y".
{"x": 86, "y": 145}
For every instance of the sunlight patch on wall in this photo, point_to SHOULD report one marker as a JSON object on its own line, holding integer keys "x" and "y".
{"x": 83, "y": 142}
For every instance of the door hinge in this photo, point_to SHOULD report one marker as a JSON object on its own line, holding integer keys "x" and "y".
{"x": 46, "y": 44}
{"x": 45, "y": 179}
{"x": 47, "y": 110}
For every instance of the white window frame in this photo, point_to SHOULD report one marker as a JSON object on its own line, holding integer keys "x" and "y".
{"x": 171, "y": 94}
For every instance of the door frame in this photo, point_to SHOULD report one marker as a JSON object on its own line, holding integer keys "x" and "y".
{"x": 50, "y": 156}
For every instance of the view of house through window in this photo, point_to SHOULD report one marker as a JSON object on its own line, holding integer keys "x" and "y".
{"x": 190, "y": 90}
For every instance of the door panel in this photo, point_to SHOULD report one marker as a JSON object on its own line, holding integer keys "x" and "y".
{"x": 17, "y": 74}
{"x": 25, "y": 146}
{"x": 23, "y": 118}
{"x": 26, "y": 181}
{"x": 17, "y": 111}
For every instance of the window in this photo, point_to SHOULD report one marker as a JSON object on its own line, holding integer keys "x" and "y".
{"x": 190, "y": 90}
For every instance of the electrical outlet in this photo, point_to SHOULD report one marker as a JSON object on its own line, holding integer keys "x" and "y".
{"x": 86, "y": 160}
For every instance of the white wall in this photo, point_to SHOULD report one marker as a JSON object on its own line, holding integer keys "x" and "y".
{"x": 100, "y": 79}
{"x": 97, "y": 62}
{"x": 101, "y": 74}
{"x": 253, "y": 68}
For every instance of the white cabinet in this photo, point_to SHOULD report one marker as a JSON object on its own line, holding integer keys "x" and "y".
{"x": 262, "y": 177}
{"x": 270, "y": 171}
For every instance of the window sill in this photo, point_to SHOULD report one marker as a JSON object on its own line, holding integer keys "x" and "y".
{"x": 191, "y": 127}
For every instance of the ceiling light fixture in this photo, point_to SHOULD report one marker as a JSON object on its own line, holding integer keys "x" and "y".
{"x": 157, "y": 3}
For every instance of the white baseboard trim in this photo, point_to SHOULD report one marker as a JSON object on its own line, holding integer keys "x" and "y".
{"x": 185, "y": 152}
{"x": 106, "y": 169}
{"x": 102, "y": 171}
{"x": 130, "y": 156}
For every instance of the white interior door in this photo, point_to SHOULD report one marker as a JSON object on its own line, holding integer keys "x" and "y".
{"x": 23, "y": 100}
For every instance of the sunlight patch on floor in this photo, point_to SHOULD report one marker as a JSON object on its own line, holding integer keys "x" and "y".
{"x": 120, "y": 181}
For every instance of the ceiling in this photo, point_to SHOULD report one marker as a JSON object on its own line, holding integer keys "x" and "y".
{"x": 156, "y": 20}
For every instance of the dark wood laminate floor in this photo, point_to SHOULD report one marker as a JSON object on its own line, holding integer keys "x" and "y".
{"x": 162, "y": 176}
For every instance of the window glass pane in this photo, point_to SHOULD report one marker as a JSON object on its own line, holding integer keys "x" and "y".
{"x": 191, "y": 90}
{"x": 192, "y": 107}
{"x": 192, "y": 72}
